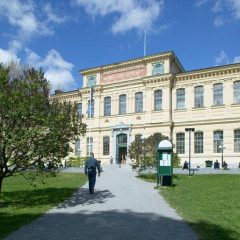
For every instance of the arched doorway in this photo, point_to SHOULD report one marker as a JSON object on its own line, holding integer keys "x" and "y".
{"x": 121, "y": 147}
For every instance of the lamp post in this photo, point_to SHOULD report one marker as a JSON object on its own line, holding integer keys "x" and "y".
{"x": 221, "y": 147}
{"x": 189, "y": 130}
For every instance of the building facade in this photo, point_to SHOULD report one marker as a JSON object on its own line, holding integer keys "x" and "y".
{"x": 154, "y": 94}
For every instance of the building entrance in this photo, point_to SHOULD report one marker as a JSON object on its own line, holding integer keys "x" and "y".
{"x": 121, "y": 148}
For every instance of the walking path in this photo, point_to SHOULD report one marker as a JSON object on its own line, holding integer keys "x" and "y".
{"x": 123, "y": 207}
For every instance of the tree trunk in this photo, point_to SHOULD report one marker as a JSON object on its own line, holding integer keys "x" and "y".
{"x": 1, "y": 181}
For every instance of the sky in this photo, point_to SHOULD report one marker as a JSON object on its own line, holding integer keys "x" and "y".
{"x": 65, "y": 36}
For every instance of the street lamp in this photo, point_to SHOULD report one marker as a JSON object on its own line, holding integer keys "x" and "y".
{"x": 189, "y": 130}
{"x": 221, "y": 147}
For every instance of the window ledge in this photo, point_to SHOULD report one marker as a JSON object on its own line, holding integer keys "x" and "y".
{"x": 218, "y": 106}
{"x": 199, "y": 108}
{"x": 180, "y": 110}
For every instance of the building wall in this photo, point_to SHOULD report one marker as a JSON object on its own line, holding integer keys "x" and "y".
{"x": 206, "y": 119}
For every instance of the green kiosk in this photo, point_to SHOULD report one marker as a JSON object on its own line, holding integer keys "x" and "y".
{"x": 165, "y": 163}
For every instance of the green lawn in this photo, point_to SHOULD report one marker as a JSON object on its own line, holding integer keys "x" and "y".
{"x": 210, "y": 203}
{"x": 20, "y": 202}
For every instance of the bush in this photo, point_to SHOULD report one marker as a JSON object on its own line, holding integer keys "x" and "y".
{"x": 76, "y": 162}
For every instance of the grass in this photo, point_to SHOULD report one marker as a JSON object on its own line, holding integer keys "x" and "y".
{"x": 210, "y": 203}
{"x": 21, "y": 202}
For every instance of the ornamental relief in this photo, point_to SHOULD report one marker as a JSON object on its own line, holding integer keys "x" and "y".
{"x": 124, "y": 74}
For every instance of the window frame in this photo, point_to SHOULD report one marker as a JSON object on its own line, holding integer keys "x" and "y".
{"x": 217, "y": 142}
{"x": 198, "y": 97}
{"x": 180, "y": 98}
{"x": 158, "y": 100}
{"x": 198, "y": 142}
{"x": 106, "y": 146}
{"x": 107, "y": 106}
{"x": 217, "y": 94}
{"x": 122, "y": 104}
{"x": 139, "y": 102}
{"x": 180, "y": 143}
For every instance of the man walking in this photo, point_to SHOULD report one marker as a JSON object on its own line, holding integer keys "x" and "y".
{"x": 90, "y": 170}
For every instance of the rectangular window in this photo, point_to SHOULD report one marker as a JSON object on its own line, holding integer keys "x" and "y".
{"x": 89, "y": 145}
{"x": 218, "y": 94}
{"x": 157, "y": 100}
{"x": 79, "y": 109}
{"x": 77, "y": 148}
{"x": 237, "y": 140}
{"x": 105, "y": 146}
{"x": 198, "y": 142}
{"x": 139, "y": 102}
{"x": 91, "y": 110}
{"x": 180, "y": 98}
{"x": 107, "y": 106}
{"x": 217, "y": 141}
{"x": 198, "y": 96}
{"x": 180, "y": 143}
{"x": 122, "y": 104}
{"x": 236, "y": 92}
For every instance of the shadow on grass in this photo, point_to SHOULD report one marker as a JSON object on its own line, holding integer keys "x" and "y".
{"x": 116, "y": 225}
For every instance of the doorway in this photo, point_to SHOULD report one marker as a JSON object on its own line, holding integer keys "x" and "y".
{"x": 121, "y": 148}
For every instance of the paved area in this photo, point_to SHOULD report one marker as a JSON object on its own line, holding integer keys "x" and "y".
{"x": 123, "y": 207}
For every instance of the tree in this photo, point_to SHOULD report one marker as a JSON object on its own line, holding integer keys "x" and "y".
{"x": 33, "y": 129}
{"x": 143, "y": 152}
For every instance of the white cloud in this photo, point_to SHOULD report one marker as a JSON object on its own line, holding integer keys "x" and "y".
{"x": 236, "y": 8}
{"x": 236, "y": 59}
{"x": 199, "y": 3}
{"x": 10, "y": 54}
{"x": 130, "y": 14}
{"x": 28, "y": 18}
{"x": 57, "y": 70}
{"x": 218, "y": 21}
{"x": 221, "y": 59}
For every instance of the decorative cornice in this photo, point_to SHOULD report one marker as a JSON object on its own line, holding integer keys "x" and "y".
{"x": 209, "y": 72}
{"x": 142, "y": 60}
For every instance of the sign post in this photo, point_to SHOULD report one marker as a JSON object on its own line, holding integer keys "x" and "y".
{"x": 165, "y": 163}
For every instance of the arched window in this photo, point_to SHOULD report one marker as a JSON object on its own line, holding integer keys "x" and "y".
{"x": 91, "y": 110}
{"x": 122, "y": 104}
{"x": 217, "y": 141}
{"x": 180, "y": 98}
{"x": 138, "y": 102}
{"x": 236, "y": 92}
{"x": 157, "y": 100}
{"x": 180, "y": 143}
{"x": 237, "y": 140}
{"x": 77, "y": 148}
{"x": 106, "y": 143}
{"x": 198, "y": 96}
{"x": 107, "y": 106}
{"x": 198, "y": 142}
{"x": 218, "y": 94}
{"x": 89, "y": 145}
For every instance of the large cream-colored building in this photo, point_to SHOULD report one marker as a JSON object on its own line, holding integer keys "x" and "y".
{"x": 152, "y": 94}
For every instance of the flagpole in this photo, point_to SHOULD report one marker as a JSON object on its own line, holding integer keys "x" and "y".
{"x": 145, "y": 42}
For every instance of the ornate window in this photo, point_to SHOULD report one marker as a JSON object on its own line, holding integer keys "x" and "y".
{"x": 91, "y": 80}
{"x": 236, "y": 92}
{"x": 198, "y": 96}
{"x": 180, "y": 98}
{"x": 198, "y": 142}
{"x": 180, "y": 143}
{"x": 122, "y": 104}
{"x": 89, "y": 145}
{"x": 237, "y": 140}
{"x": 217, "y": 141}
{"x": 218, "y": 94}
{"x": 90, "y": 110}
{"x": 139, "y": 102}
{"x": 138, "y": 138}
{"x": 157, "y": 100}
{"x": 157, "y": 68}
{"x": 77, "y": 148}
{"x": 106, "y": 142}
{"x": 107, "y": 106}
{"x": 122, "y": 138}
{"x": 79, "y": 109}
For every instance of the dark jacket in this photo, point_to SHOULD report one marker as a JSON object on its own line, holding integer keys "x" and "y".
{"x": 92, "y": 164}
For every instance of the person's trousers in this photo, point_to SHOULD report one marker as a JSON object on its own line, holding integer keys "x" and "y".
{"x": 91, "y": 180}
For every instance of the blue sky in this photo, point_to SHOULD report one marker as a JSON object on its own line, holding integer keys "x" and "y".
{"x": 65, "y": 36}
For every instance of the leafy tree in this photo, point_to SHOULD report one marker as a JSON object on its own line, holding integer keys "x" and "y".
{"x": 143, "y": 152}
{"x": 33, "y": 129}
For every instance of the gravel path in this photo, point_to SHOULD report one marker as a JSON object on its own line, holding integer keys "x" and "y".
{"x": 123, "y": 207}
